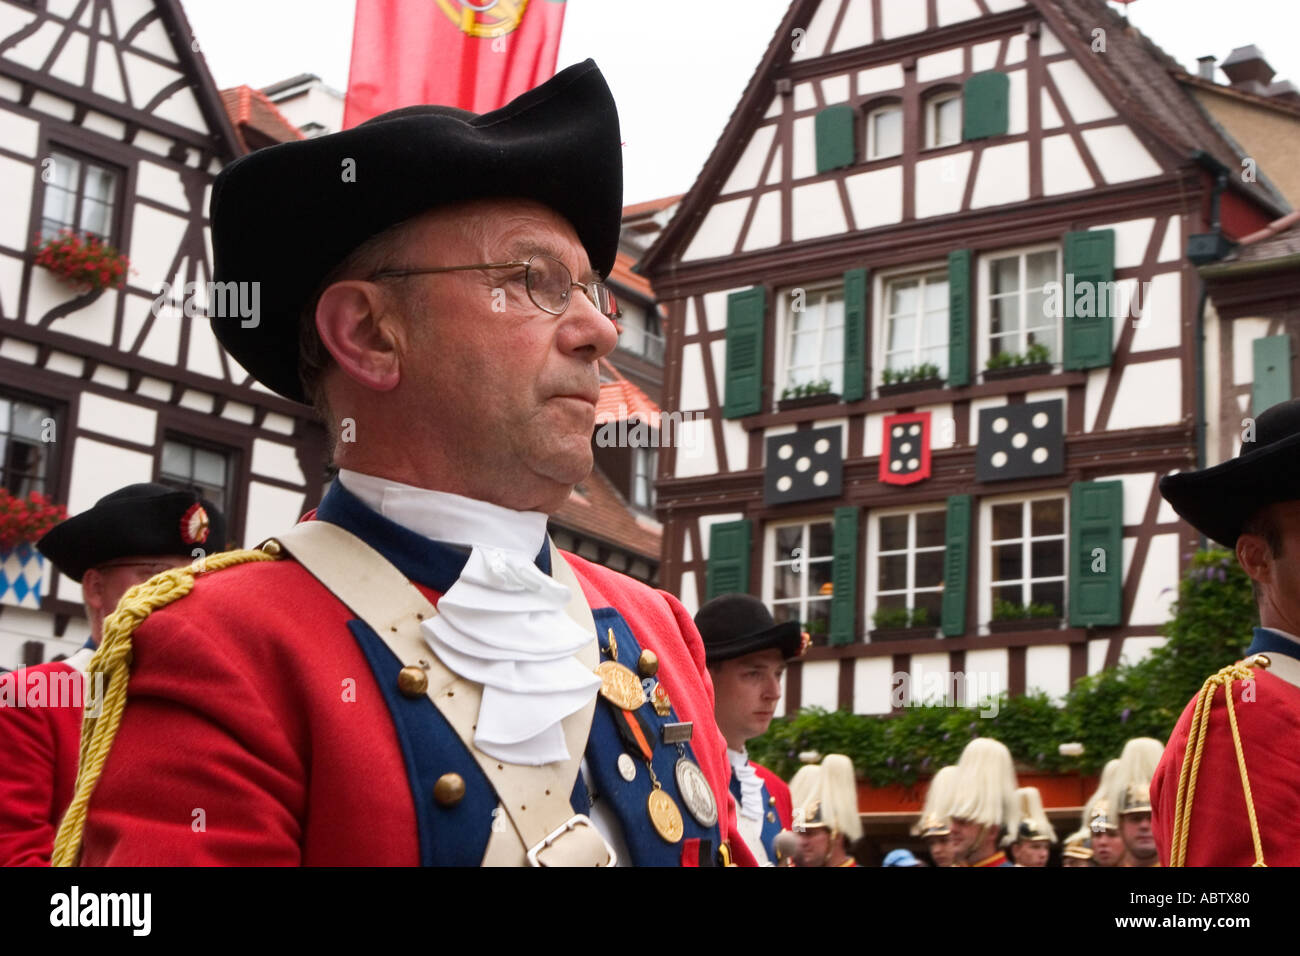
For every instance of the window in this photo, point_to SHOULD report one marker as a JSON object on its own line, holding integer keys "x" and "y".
{"x": 24, "y": 452}
{"x": 814, "y": 338}
{"x": 80, "y": 196}
{"x": 1016, "y": 304}
{"x": 908, "y": 572}
{"x": 193, "y": 467}
{"x": 801, "y": 576}
{"x": 644, "y": 463}
{"x": 943, "y": 120}
{"x": 641, "y": 334}
{"x": 1027, "y": 555}
{"x": 885, "y": 132}
{"x": 916, "y": 322}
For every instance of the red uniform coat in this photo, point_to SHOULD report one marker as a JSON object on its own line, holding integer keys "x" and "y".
{"x": 1219, "y": 827}
{"x": 38, "y": 761}
{"x": 780, "y": 792}
{"x": 255, "y": 733}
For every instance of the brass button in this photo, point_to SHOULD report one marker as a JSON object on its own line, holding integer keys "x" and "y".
{"x": 647, "y": 665}
{"x": 1258, "y": 660}
{"x": 412, "y": 681}
{"x": 771, "y": 801}
{"x": 449, "y": 790}
{"x": 271, "y": 547}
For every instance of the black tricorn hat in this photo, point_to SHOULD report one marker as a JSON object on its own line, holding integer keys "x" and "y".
{"x": 733, "y": 625}
{"x": 286, "y": 215}
{"x": 145, "y": 519}
{"x": 1218, "y": 501}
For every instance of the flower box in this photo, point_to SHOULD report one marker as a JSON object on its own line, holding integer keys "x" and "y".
{"x": 22, "y": 569}
{"x": 1025, "y": 624}
{"x": 920, "y": 631}
{"x": 1017, "y": 371}
{"x": 86, "y": 263}
{"x": 806, "y": 401}
{"x": 898, "y": 388}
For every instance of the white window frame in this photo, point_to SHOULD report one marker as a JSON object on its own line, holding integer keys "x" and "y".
{"x": 770, "y": 560}
{"x": 649, "y": 455}
{"x": 784, "y": 324}
{"x": 874, "y": 553}
{"x": 880, "y": 314}
{"x": 872, "y": 147}
{"x": 985, "y": 544}
{"x": 932, "y": 105}
{"x": 984, "y": 291}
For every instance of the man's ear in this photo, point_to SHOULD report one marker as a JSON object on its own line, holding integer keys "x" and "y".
{"x": 92, "y": 589}
{"x": 356, "y": 325}
{"x": 1255, "y": 557}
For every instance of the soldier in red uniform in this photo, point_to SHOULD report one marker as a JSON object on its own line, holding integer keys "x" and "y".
{"x": 747, "y": 652}
{"x": 984, "y": 806}
{"x": 126, "y": 538}
{"x": 1215, "y": 772}
{"x": 416, "y": 675}
{"x": 827, "y": 823}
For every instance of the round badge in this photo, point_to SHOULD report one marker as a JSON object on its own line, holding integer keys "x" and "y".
{"x": 696, "y": 793}
{"x": 195, "y": 525}
{"x": 626, "y": 767}
{"x": 665, "y": 816}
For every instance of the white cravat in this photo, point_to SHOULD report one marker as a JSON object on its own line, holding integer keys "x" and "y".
{"x": 502, "y": 624}
{"x": 751, "y": 784}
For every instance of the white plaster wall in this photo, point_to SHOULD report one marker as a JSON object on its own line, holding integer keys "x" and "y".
{"x": 880, "y": 79}
{"x": 955, "y": 11}
{"x": 986, "y": 674}
{"x": 855, "y": 27}
{"x": 871, "y": 685}
{"x": 816, "y": 211}
{"x": 98, "y": 468}
{"x": 940, "y": 184}
{"x": 695, "y": 453}
{"x": 876, "y": 197}
{"x": 16, "y": 179}
{"x": 821, "y": 684}
{"x": 736, "y": 440}
{"x": 1082, "y": 99}
{"x": 1003, "y": 176}
{"x": 270, "y": 511}
{"x": 750, "y": 165}
{"x": 936, "y": 66}
{"x": 1119, "y": 155}
{"x": 1149, "y": 394}
{"x": 718, "y": 233}
{"x": 1158, "y": 588}
{"x": 694, "y": 392}
{"x": 276, "y": 460}
{"x": 817, "y": 32}
{"x": 1063, "y": 167}
{"x": 1048, "y": 669}
{"x": 124, "y": 420}
{"x": 1161, "y": 323}
{"x": 900, "y": 18}
{"x": 765, "y": 227}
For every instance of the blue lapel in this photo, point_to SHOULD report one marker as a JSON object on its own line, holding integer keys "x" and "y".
{"x": 1269, "y": 641}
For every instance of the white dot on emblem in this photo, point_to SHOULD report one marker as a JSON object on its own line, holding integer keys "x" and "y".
{"x": 905, "y": 447}
{"x": 1019, "y": 440}
{"x": 895, "y": 465}
{"x": 914, "y": 430}
{"x": 1040, "y": 420}
{"x": 784, "y": 452}
{"x": 821, "y": 478}
{"x": 999, "y": 459}
{"x": 823, "y": 446}
{"x": 1039, "y": 455}
{"x": 913, "y": 464}
{"x": 803, "y": 464}
{"x": 999, "y": 425}
{"x": 784, "y": 482}
{"x": 898, "y": 431}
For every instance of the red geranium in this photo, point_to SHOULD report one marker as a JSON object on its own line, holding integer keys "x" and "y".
{"x": 85, "y": 262}
{"x": 23, "y": 520}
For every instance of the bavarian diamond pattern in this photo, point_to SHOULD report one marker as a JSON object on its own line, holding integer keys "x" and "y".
{"x": 20, "y": 576}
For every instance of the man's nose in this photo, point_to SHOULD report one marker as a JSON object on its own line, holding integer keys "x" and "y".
{"x": 585, "y": 331}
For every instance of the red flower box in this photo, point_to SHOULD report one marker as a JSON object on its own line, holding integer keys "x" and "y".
{"x": 87, "y": 263}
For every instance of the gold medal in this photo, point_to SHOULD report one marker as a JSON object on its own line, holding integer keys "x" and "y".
{"x": 696, "y": 793}
{"x": 665, "y": 816}
{"x": 620, "y": 686}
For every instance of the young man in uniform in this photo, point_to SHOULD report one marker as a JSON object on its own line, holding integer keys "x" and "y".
{"x": 984, "y": 804}
{"x": 827, "y": 824}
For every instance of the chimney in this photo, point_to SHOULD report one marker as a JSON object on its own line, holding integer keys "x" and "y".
{"x": 1205, "y": 67}
{"x": 1247, "y": 70}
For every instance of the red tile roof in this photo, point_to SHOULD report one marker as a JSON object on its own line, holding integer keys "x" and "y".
{"x": 623, "y": 275}
{"x": 595, "y": 509}
{"x": 650, "y": 206}
{"x": 621, "y": 400}
{"x": 250, "y": 109}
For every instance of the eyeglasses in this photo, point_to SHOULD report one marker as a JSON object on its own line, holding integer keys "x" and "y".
{"x": 548, "y": 280}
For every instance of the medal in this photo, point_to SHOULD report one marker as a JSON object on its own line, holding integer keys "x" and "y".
{"x": 659, "y": 697}
{"x": 620, "y": 686}
{"x": 626, "y": 767}
{"x": 665, "y": 816}
{"x": 696, "y": 793}
{"x": 678, "y": 733}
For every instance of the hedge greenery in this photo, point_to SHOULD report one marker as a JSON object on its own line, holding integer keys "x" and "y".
{"x": 1212, "y": 624}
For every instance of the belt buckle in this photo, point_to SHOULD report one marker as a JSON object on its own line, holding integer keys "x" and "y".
{"x": 577, "y": 820}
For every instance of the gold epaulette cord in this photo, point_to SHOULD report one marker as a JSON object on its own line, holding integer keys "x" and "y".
{"x": 1196, "y": 732}
{"x": 113, "y": 661}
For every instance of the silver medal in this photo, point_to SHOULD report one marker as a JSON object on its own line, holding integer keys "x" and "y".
{"x": 626, "y": 768}
{"x": 696, "y": 793}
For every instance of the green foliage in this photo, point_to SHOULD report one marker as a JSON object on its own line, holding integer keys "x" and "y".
{"x": 885, "y": 617}
{"x": 1036, "y": 354}
{"x": 1214, "y": 615}
{"x": 1011, "y": 611}
{"x": 925, "y": 372}
{"x": 805, "y": 389}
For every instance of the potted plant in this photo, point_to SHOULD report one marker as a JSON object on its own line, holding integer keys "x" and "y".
{"x": 806, "y": 394}
{"x": 911, "y": 379}
{"x": 1011, "y": 616}
{"x": 1037, "y": 360}
{"x": 87, "y": 263}
{"x": 22, "y": 567}
{"x": 901, "y": 623}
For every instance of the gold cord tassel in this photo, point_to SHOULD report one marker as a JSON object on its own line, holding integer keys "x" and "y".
{"x": 1196, "y": 732}
{"x": 113, "y": 660}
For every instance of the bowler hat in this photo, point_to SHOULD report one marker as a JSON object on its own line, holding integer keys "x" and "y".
{"x": 734, "y": 625}
{"x": 1218, "y": 501}
{"x": 285, "y": 216}
{"x": 143, "y": 519}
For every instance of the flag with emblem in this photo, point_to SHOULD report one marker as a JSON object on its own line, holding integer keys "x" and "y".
{"x": 905, "y": 449}
{"x": 474, "y": 55}
{"x": 1021, "y": 441}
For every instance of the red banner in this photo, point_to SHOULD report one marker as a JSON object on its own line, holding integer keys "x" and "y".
{"x": 475, "y": 54}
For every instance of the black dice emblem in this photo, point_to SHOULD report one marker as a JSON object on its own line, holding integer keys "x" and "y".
{"x": 802, "y": 466}
{"x": 1021, "y": 441}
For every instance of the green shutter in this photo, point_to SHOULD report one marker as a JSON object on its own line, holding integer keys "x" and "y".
{"x": 956, "y": 565}
{"x": 855, "y": 334}
{"x": 833, "y": 131}
{"x": 844, "y": 577}
{"x": 959, "y": 317}
{"x": 744, "y": 388}
{"x": 985, "y": 100}
{"x": 728, "y": 559}
{"x": 1096, "y": 552}
{"x": 1272, "y": 372}
{"x": 1089, "y": 258}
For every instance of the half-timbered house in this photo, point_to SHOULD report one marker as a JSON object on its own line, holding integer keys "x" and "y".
{"x": 111, "y": 126}
{"x": 932, "y": 291}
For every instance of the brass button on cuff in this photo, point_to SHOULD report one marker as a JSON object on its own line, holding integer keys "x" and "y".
{"x": 412, "y": 681}
{"x": 647, "y": 665}
{"x": 449, "y": 790}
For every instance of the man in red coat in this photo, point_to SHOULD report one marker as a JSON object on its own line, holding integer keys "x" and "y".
{"x": 747, "y": 652}
{"x": 1250, "y": 503}
{"x": 126, "y": 538}
{"x": 416, "y": 676}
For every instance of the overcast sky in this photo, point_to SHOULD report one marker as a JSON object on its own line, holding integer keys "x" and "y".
{"x": 677, "y": 67}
